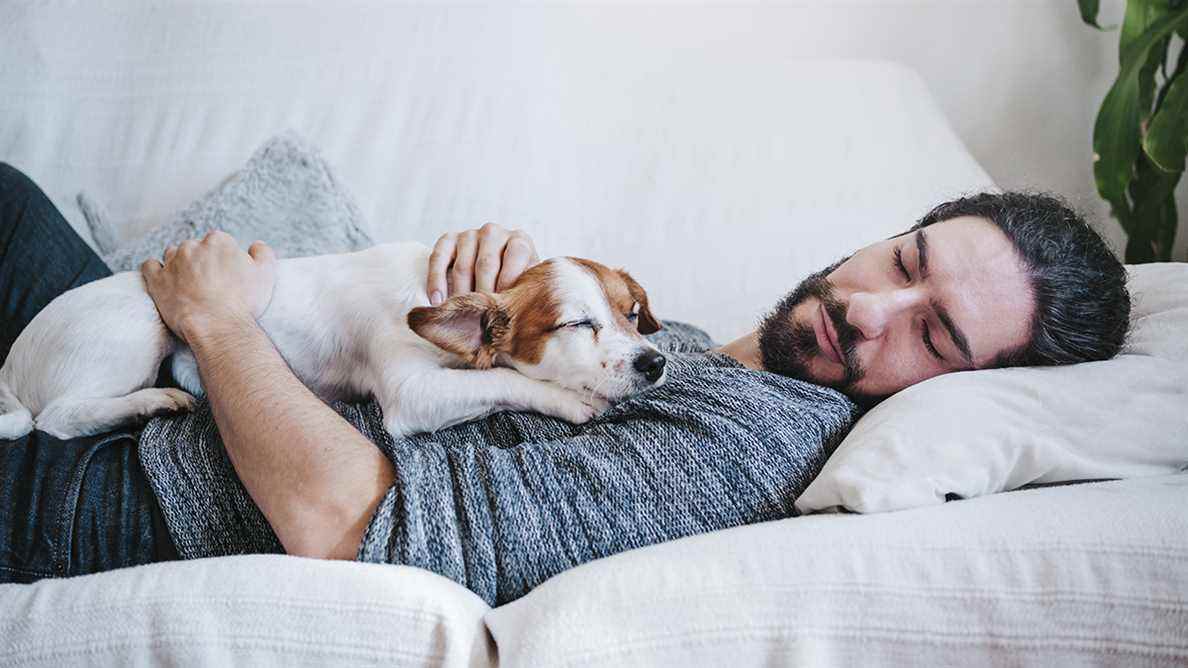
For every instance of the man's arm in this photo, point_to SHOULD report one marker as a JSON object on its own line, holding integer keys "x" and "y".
{"x": 314, "y": 477}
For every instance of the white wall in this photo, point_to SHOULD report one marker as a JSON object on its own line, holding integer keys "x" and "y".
{"x": 1020, "y": 80}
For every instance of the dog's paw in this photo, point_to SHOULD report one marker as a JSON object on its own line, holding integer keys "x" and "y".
{"x": 596, "y": 402}
{"x": 575, "y": 407}
{"x": 399, "y": 429}
{"x": 15, "y": 425}
{"x": 176, "y": 401}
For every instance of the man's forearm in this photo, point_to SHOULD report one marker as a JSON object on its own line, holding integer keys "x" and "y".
{"x": 316, "y": 479}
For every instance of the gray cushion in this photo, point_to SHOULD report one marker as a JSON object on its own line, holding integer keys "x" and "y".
{"x": 285, "y": 195}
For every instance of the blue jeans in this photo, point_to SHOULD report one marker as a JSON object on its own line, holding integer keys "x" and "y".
{"x": 66, "y": 507}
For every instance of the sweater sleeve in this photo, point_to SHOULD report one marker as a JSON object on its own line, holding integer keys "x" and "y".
{"x": 715, "y": 447}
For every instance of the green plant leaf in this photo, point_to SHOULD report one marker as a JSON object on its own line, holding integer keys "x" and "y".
{"x": 1155, "y": 59}
{"x": 1181, "y": 65}
{"x": 1138, "y": 251}
{"x": 1141, "y": 15}
{"x": 1089, "y": 10}
{"x": 1166, "y": 236}
{"x": 1153, "y": 218}
{"x": 1117, "y": 131}
{"x": 1166, "y": 141}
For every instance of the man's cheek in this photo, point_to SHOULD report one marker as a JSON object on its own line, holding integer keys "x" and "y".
{"x": 890, "y": 373}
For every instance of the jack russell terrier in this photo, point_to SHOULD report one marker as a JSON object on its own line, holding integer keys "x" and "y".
{"x": 563, "y": 340}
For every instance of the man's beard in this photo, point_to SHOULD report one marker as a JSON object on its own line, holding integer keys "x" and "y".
{"x": 787, "y": 346}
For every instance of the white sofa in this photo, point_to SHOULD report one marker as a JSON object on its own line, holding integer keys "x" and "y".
{"x": 718, "y": 176}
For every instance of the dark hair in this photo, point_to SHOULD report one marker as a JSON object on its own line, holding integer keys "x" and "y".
{"x": 1082, "y": 307}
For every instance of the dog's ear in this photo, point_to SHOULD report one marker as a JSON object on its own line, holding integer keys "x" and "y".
{"x": 646, "y": 323}
{"x": 471, "y": 325}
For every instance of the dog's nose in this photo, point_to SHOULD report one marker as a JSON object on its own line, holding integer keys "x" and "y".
{"x": 650, "y": 364}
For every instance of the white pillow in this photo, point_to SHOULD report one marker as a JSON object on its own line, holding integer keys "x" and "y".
{"x": 981, "y": 432}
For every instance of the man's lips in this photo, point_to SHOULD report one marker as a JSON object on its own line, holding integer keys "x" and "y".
{"x": 826, "y": 337}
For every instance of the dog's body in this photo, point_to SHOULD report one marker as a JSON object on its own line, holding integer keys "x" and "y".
{"x": 349, "y": 326}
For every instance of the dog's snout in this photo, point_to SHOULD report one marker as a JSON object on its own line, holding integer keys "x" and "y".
{"x": 651, "y": 364}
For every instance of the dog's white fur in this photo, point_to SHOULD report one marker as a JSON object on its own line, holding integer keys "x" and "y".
{"x": 88, "y": 361}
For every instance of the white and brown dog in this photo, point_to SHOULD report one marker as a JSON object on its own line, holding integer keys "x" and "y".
{"x": 563, "y": 340}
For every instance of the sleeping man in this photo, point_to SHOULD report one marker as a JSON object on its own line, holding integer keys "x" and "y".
{"x": 502, "y": 503}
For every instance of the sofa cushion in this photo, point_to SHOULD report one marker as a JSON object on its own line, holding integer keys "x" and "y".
{"x": 1076, "y": 575}
{"x": 248, "y": 610}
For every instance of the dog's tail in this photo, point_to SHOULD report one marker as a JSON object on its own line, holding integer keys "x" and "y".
{"x": 15, "y": 419}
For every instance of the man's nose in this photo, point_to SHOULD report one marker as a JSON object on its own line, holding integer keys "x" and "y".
{"x": 871, "y": 312}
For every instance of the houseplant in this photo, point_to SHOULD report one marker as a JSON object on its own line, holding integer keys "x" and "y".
{"x": 1141, "y": 134}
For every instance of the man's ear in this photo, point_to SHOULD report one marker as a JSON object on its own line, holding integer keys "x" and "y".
{"x": 471, "y": 325}
{"x": 646, "y": 323}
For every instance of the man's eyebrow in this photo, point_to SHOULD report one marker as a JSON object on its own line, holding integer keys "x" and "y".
{"x": 959, "y": 339}
{"x": 955, "y": 332}
{"x": 922, "y": 250}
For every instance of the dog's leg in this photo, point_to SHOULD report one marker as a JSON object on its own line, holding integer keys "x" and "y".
{"x": 185, "y": 371}
{"x": 71, "y": 418}
{"x": 15, "y": 419}
{"x": 435, "y": 399}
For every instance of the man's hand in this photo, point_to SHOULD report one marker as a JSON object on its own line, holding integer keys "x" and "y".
{"x": 488, "y": 259}
{"x": 204, "y": 283}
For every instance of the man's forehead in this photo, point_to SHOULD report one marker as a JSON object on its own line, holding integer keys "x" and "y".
{"x": 981, "y": 279}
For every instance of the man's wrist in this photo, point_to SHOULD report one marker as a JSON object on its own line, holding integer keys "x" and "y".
{"x": 202, "y": 329}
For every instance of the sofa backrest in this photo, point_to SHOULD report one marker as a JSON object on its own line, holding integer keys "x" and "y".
{"x": 717, "y": 173}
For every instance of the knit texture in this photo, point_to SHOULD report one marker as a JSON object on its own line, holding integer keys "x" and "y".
{"x": 285, "y": 195}
{"x": 502, "y": 503}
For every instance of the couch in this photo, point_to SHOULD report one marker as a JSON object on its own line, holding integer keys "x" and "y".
{"x": 718, "y": 176}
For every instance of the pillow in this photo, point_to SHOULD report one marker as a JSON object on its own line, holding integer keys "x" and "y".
{"x": 285, "y": 195}
{"x": 979, "y": 432}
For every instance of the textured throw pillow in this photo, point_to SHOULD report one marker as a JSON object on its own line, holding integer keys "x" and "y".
{"x": 980, "y": 432}
{"x": 285, "y": 195}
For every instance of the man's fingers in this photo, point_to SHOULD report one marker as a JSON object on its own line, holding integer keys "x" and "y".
{"x": 492, "y": 240}
{"x": 517, "y": 256}
{"x": 262, "y": 253}
{"x": 169, "y": 253}
{"x": 217, "y": 236}
{"x": 521, "y": 238}
{"x": 150, "y": 267}
{"x": 439, "y": 263}
{"x": 461, "y": 278}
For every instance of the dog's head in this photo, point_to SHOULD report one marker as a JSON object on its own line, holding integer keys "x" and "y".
{"x": 567, "y": 320}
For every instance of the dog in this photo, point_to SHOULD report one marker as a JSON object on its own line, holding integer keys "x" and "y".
{"x": 564, "y": 340}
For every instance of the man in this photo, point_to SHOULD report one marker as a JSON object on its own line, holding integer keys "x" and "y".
{"x": 501, "y": 504}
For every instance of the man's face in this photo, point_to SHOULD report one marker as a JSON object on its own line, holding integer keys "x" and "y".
{"x": 869, "y": 327}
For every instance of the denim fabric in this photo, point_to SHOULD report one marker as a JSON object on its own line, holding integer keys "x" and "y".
{"x": 66, "y": 507}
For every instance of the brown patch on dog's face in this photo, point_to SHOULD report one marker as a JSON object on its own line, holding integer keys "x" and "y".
{"x": 623, "y": 293}
{"x": 534, "y": 309}
{"x": 646, "y": 322}
{"x": 479, "y": 326}
{"x": 518, "y": 324}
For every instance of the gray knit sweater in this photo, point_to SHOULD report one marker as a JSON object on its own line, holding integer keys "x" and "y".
{"x": 503, "y": 503}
